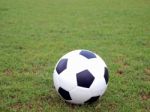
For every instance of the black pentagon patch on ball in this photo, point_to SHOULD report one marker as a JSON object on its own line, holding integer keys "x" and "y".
{"x": 84, "y": 79}
{"x": 92, "y": 99}
{"x": 65, "y": 94}
{"x": 62, "y": 65}
{"x": 87, "y": 54}
{"x": 106, "y": 75}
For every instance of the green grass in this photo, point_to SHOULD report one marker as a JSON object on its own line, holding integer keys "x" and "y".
{"x": 34, "y": 34}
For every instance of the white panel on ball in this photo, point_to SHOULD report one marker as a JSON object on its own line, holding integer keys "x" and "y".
{"x": 79, "y": 95}
{"x": 98, "y": 87}
{"x": 67, "y": 80}
{"x": 96, "y": 68}
{"x": 77, "y": 63}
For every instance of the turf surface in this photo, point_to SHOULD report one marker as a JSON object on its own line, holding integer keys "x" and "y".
{"x": 34, "y": 34}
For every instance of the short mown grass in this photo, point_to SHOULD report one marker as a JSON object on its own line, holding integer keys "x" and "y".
{"x": 34, "y": 34}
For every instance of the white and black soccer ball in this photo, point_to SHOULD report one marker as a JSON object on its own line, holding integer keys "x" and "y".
{"x": 80, "y": 76}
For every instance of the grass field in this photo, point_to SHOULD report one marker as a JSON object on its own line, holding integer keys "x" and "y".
{"x": 34, "y": 34}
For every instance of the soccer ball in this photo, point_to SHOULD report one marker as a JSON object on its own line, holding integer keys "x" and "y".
{"x": 80, "y": 76}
